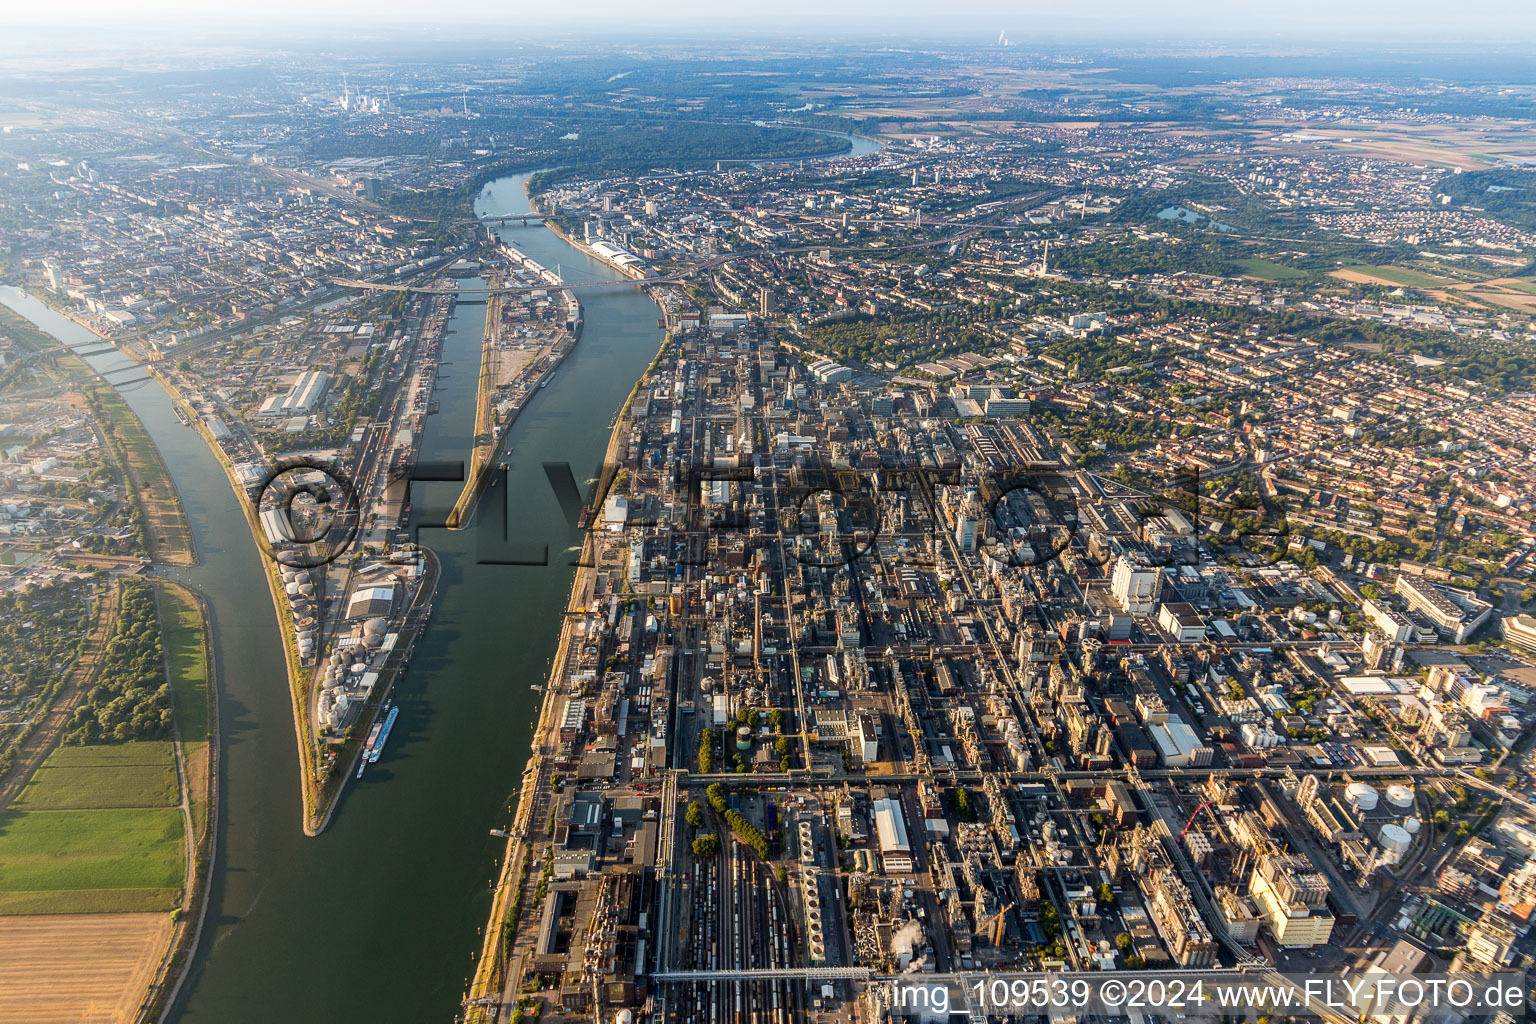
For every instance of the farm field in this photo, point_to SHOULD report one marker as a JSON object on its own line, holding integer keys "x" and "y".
{"x": 1509, "y": 292}
{"x": 93, "y": 855}
{"x": 1391, "y": 275}
{"x": 83, "y": 787}
{"x": 1266, "y": 270}
{"x": 73, "y": 855}
{"x": 141, "y": 775}
{"x": 98, "y": 829}
{"x": 44, "y": 978}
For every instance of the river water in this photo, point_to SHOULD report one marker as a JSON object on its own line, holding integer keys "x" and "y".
{"x": 379, "y": 919}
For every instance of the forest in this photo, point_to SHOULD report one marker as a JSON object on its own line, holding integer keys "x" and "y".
{"x": 1506, "y": 193}
{"x": 906, "y": 337}
{"x": 628, "y": 143}
{"x": 130, "y": 698}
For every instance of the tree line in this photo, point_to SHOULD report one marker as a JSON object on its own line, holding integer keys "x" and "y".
{"x": 130, "y": 698}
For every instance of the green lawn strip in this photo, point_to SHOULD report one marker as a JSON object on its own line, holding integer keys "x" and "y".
{"x": 88, "y": 901}
{"x": 182, "y": 623}
{"x": 183, "y": 628}
{"x": 109, "y": 848}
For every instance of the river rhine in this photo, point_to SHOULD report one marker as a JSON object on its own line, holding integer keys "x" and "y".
{"x": 379, "y": 918}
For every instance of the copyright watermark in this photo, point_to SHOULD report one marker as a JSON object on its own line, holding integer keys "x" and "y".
{"x": 1357, "y": 995}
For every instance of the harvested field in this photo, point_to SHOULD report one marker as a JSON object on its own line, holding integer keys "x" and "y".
{"x": 79, "y": 969}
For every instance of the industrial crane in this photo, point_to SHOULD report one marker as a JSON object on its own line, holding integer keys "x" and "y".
{"x": 1191, "y": 820}
{"x": 993, "y": 927}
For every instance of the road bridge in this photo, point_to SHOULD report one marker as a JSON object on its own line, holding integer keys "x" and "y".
{"x": 516, "y": 218}
{"x": 481, "y": 293}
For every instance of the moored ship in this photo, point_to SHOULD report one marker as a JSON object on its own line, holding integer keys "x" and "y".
{"x": 376, "y": 743}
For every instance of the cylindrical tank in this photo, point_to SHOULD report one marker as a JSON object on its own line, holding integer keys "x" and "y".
{"x": 1360, "y": 796}
{"x": 1399, "y": 797}
{"x": 744, "y": 738}
{"x": 1395, "y": 838}
{"x": 1411, "y": 826}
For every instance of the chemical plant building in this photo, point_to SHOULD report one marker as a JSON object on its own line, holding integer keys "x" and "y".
{"x": 1292, "y": 897}
{"x": 1182, "y": 622}
{"x": 891, "y": 827}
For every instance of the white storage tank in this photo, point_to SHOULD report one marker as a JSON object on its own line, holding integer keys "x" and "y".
{"x": 1258, "y": 738}
{"x": 1412, "y": 826}
{"x": 1395, "y": 838}
{"x": 1360, "y": 796}
{"x": 1399, "y": 797}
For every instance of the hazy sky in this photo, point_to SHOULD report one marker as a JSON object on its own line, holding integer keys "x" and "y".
{"x": 1431, "y": 19}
